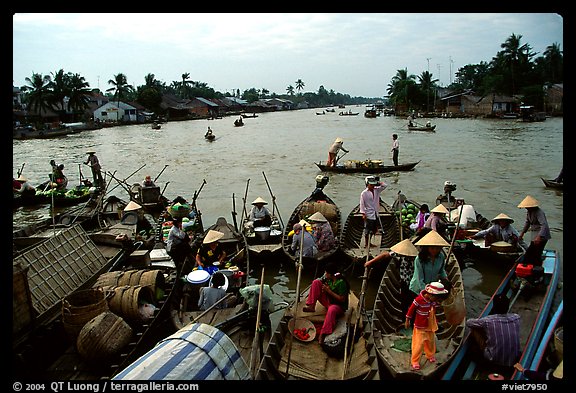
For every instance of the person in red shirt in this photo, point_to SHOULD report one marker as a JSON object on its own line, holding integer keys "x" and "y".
{"x": 423, "y": 311}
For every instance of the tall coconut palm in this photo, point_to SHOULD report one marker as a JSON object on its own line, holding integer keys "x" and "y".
{"x": 60, "y": 86}
{"x": 185, "y": 83}
{"x": 290, "y": 90}
{"x": 40, "y": 95}
{"x": 553, "y": 58}
{"x": 400, "y": 87}
{"x": 427, "y": 84}
{"x": 79, "y": 90}
{"x": 515, "y": 57}
{"x": 299, "y": 85}
{"x": 120, "y": 89}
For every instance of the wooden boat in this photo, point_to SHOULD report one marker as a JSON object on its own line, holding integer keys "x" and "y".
{"x": 318, "y": 201}
{"x": 353, "y": 243}
{"x": 156, "y": 126}
{"x": 349, "y": 113}
{"x": 43, "y": 276}
{"x": 287, "y": 358}
{"x": 367, "y": 166}
{"x": 550, "y": 352}
{"x": 31, "y": 133}
{"x": 238, "y": 123}
{"x": 553, "y": 184}
{"x": 531, "y": 292}
{"x": 371, "y": 113}
{"x": 65, "y": 197}
{"x": 422, "y": 128}
{"x": 320, "y": 113}
{"x": 245, "y": 116}
{"x": 210, "y": 137}
{"x": 389, "y": 332}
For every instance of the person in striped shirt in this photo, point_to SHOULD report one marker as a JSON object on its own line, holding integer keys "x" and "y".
{"x": 498, "y": 335}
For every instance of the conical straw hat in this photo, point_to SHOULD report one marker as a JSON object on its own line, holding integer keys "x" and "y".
{"x": 559, "y": 372}
{"x": 432, "y": 238}
{"x": 212, "y": 236}
{"x": 317, "y": 217}
{"x": 502, "y": 216}
{"x": 338, "y": 140}
{"x": 405, "y": 247}
{"x": 132, "y": 206}
{"x": 529, "y": 201}
{"x": 21, "y": 178}
{"x": 439, "y": 209}
{"x": 259, "y": 200}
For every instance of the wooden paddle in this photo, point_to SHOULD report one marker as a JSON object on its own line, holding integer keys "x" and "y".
{"x": 254, "y": 358}
{"x": 360, "y": 306}
{"x": 274, "y": 207}
{"x": 299, "y": 268}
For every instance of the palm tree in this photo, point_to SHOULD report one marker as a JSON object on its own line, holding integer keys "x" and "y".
{"x": 427, "y": 83}
{"x": 185, "y": 82}
{"x": 516, "y": 56}
{"x": 40, "y": 95}
{"x": 299, "y": 85}
{"x": 290, "y": 90}
{"x": 79, "y": 90}
{"x": 60, "y": 90}
{"x": 399, "y": 86}
{"x": 120, "y": 88}
{"x": 553, "y": 59}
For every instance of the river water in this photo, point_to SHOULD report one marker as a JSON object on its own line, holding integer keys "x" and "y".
{"x": 494, "y": 164}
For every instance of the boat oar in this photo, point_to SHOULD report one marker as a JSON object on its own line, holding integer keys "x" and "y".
{"x": 21, "y": 169}
{"x": 208, "y": 309}
{"x": 156, "y": 178}
{"x": 400, "y": 216}
{"x": 244, "y": 211}
{"x": 455, "y": 233}
{"x": 124, "y": 181}
{"x": 254, "y": 358}
{"x": 234, "y": 214}
{"x": 339, "y": 157}
{"x": 360, "y": 306}
{"x": 299, "y": 269}
{"x": 274, "y": 206}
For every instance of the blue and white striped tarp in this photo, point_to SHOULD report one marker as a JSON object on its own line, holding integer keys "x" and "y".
{"x": 196, "y": 352}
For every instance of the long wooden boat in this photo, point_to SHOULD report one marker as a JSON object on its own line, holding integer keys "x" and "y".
{"x": 422, "y": 128}
{"x": 389, "y": 333}
{"x": 353, "y": 242}
{"x": 553, "y": 184}
{"x": 317, "y": 201}
{"x": 287, "y": 358}
{"x": 66, "y": 197}
{"x": 531, "y": 293}
{"x": 367, "y": 166}
{"x": 550, "y": 352}
{"x": 29, "y": 133}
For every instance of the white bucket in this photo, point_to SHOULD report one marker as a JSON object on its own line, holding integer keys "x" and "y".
{"x": 468, "y": 216}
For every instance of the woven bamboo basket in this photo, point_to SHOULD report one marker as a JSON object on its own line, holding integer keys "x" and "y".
{"x": 151, "y": 278}
{"x": 80, "y": 307}
{"x": 125, "y": 301}
{"x": 103, "y": 337}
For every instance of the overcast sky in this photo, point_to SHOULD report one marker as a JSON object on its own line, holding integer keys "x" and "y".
{"x": 350, "y": 53}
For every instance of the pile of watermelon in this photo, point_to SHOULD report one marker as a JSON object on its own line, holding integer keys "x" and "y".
{"x": 409, "y": 212}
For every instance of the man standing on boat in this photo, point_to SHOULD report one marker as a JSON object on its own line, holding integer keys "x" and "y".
{"x": 94, "y": 164}
{"x": 370, "y": 205}
{"x": 333, "y": 151}
{"x": 395, "y": 148}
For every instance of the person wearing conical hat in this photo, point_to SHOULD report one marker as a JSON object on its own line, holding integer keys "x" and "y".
{"x": 370, "y": 206}
{"x": 333, "y": 151}
{"x": 259, "y": 214}
{"x": 500, "y": 231}
{"x": 537, "y": 224}
{"x": 94, "y": 164}
{"x": 437, "y": 220}
{"x": 403, "y": 254}
{"x": 322, "y": 232}
{"x": 23, "y": 187}
{"x": 211, "y": 251}
{"x": 430, "y": 263}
